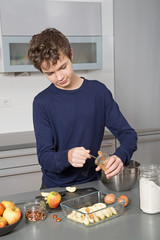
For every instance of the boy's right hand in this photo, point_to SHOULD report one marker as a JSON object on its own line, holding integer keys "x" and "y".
{"x": 77, "y": 156}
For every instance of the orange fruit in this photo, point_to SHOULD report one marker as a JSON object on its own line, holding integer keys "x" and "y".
{"x": 124, "y": 197}
{"x": 110, "y": 198}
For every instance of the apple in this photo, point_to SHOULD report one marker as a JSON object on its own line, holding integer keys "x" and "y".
{"x": 53, "y": 199}
{"x": 3, "y": 222}
{"x": 2, "y": 208}
{"x": 8, "y": 204}
{"x": 12, "y": 214}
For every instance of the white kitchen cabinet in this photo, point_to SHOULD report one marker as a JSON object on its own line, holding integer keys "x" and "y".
{"x": 87, "y": 53}
{"x": 79, "y": 21}
{"x": 148, "y": 147}
{"x": 28, "y": 17}
{"x": 18, "y": 183}
{"x": 19, "y": 171}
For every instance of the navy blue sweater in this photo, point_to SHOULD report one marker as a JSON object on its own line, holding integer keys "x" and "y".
{"x": 64, "y": 119}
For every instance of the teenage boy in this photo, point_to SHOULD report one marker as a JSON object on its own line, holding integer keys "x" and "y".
{"x": 70, "y": 117}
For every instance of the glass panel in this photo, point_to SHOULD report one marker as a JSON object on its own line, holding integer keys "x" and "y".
{"x": 18, "y": 54}
{"x": 84, "y": 52}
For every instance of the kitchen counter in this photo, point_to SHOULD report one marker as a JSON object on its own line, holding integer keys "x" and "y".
{"x": 21, "y": 140}
{"x": 133, "y": 224}
{"x": 17, "y": 140}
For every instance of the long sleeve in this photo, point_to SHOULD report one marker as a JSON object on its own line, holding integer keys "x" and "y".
{"x": 48, "y": 157}
{"x": 121, "y": 129}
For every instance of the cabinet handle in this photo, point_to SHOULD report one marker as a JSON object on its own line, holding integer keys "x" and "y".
{"x": 107, "y": 145}
{"x": 145, "y": 140}
{"x": 19, "y": 155}
{"x": 22, "y": 173}
{"x": 148, "y": 140}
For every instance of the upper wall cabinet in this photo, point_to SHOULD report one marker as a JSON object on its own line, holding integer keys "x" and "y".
{"x": 87, "y": 53}
{"x": 79, "y": 21}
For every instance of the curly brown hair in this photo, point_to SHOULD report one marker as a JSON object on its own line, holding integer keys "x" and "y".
{"x": 47, "y": 46}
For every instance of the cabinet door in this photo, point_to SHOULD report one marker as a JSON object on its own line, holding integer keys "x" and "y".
{"x": 148, "y": 149}
{"x": 87, "y": 52}
{"x": 108, "y": 146}
{"x": 71, "y": 17}
{"x": 18, "y": 158}
{"x": 18, "y": 183}
{"x": 19, "y": 171}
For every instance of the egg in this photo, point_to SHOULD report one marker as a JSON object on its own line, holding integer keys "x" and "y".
{"x": 122, "y": 198}
{"x": 110, "y": 198}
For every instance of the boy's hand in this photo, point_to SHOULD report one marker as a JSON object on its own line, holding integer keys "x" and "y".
{"x": 77, "y": 156}
{"x": 114, "y": 166}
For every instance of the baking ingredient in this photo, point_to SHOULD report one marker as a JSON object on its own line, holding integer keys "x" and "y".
{"x": 35, "y": 215}
{"x": 123, "y": 200}
{"x": 58, "y": 219}
{"x": 99, "y": 153}
{"x": 12, "y": 214}
{"x": 8, "y": 204}
{"x": 103, "y": 166}
{"x": 3, "y": 222}
{"x": 149, "y": 196}
{"x": 2, "y": 208}
{"x": 53, "y": 199}
{"x": 126, "y": 199}
{"x": 89, "y": 215}
{"x": 44, "y": 194}
{"x": 110, "y": 198}
{"x": 71, "y": 189}
{"x": 102, "y": 160}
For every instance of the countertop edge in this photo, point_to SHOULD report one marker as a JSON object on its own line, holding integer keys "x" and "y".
{"x": 20, "y": 140}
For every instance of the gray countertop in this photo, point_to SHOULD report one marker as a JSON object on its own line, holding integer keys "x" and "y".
{"x": 132, "y": 225}
{"x": 17, "y": 140}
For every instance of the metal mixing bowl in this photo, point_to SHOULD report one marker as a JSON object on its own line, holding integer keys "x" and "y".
{"x": 125, "y": 180}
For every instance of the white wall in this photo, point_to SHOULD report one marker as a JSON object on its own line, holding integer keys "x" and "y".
{"x": 21, "y": 89}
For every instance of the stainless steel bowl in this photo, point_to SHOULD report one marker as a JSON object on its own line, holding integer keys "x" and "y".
{"x": 125, "y": 180}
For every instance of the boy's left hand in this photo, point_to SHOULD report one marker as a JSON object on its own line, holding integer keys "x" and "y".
{"x": 114, "y": 166}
